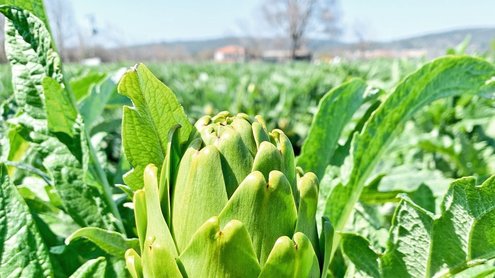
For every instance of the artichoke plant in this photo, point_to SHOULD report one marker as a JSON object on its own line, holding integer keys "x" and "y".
{"x": 232, "y": 205}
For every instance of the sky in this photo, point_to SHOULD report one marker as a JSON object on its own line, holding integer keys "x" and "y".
{"x": 144, "y": 21}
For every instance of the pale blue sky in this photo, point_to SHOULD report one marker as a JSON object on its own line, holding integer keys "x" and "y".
{"x": 154, "y": 21}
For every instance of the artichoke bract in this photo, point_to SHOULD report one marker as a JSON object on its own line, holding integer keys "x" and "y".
{"x": 232, "y": 204}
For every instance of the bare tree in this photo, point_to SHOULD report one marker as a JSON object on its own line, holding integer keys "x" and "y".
{"x": 63, "y": 24}
{"x": 294, "y": 18}
{"x": 361, "y": 29}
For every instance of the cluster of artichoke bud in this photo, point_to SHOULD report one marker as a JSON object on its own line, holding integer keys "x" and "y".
{"x": 232, "y": 205}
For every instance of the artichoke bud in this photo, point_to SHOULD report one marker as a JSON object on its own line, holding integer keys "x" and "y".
{"x": 243, "y": 127}
{"x": 267, "y": 159}
{"x": 222, "y": 117}
{"x": 260, "y": 134}
{"x": 200, "y": 194}
{"x": 291, "y": 258}
{"x": 306, "y": 215}
{"x": 288, "y": 159}
{"x": 238, "y": 176}
{"x": 236, "y": 156}
{"x": 202, "y": 122}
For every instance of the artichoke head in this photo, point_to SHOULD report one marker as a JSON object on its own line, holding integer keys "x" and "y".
{"x": 232, "y": 204}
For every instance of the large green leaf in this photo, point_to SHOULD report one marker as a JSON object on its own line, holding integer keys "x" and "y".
{"x": 49, "y": 110}
{"x": 31, "y": 53}
{"x": 444, "y": 77}
{"x": 334, "y": 112}
{"x": 215, "y": 252}
{"x": 422, "y": 245}
{"x": 22, "y": 250}
{"x": 145, "y": 126}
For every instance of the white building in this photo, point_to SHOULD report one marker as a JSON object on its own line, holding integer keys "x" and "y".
{"x": 230, "y": 54}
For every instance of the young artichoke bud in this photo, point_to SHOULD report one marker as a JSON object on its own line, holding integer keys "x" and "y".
{"x": 237, "y": 201}
{"x": 210, "y": 173}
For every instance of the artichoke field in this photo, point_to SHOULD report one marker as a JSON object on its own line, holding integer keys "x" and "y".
{"x": 227, "y": 198}
{"x": 234, "y": 205}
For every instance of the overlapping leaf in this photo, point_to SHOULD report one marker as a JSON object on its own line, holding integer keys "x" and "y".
{"x": 422, "y": 245}
{"x": 441, "y": 78}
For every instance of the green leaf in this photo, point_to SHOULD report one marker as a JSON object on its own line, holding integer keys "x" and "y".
{"x": 444, "y": 77}
{"x": 65, "y": 123}
{"x": 77, "y": 188}
{"x": 33, "y": 58}
{"x": 35, "y": 7}
{"x": 145, "y": 126}
{"x": 421, "y": 245}
{"x": 111, "y": 242}
{"x": 30, "y": 50}
{"x": 92, "y": 268}
{"x": 60, "y": 109}
{"x": 82, "y": 86}
{"x": 326, "y": 241}
{"x": 215, "y": 252}
{"x": 334, "y": 112}
{"x": 17, "y": 148}
{"x": 22, "y": 250}
{"x": 343, "y": 151}
{"x": 358, "y": 250}
{"x": 92, "y": 107}
{"x": 423, "y": 196}
{"x": 259, "y": 204}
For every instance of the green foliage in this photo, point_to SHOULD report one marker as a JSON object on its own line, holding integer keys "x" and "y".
{"x": 23, "y": 253}
{"x": 224, "y": 196}
{"x": 423, "y": 245}
{"x": 92, "y": 268}
{"x": 335, "y": 110}
{"x": 435, "y": 80}
{"x": 144, "y": 128}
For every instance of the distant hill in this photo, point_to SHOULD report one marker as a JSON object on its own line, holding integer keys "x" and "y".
{"x": 480, "y": 40}
{"x": 433, "y": 44}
